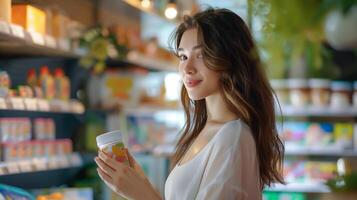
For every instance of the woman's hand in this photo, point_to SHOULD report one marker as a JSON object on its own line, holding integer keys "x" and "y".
{"x": 128, "y": 182}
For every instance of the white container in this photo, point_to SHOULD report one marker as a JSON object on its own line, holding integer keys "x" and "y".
{"x": 112, "y": 142}
{"x": 281, "y": 89}
{"x": 341, "y": 94}
{"x": 5, "y": 11}
{"x": 299, "y": 92}
{"x": 355, "y": 94}
{"x": 320, "y": 92}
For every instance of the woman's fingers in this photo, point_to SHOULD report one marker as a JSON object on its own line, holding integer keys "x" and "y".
{"x": 103, "y": 166}
{"x": 104, "y": 176}
{"x": 132, "y": 161}
{"x": 109, "y": 160}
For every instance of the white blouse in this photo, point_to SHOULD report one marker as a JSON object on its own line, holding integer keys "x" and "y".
{"x": 226, "y": 168}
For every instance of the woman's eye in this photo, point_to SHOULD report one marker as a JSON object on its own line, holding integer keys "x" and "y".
{"x": 182, "y": 57}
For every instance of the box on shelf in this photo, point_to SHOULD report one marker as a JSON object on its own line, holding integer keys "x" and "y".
{"x": 29, "y": 17}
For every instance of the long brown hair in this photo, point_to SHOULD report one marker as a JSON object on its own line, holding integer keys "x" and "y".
{"x": 228, "y": 47}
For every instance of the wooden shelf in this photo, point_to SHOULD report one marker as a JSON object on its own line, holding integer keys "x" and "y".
{"x": 320, "y": 152}
{"x": 14, "y": 40}
{"x": 42, "y": 178}
{"x": 299, "y": 187}
{"x": 290, "y": 111}
{"x": 137, "y": 58}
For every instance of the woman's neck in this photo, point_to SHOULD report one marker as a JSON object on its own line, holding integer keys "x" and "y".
{"x": 217, "y": 110}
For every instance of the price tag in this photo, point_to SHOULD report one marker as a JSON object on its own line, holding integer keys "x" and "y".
{"x": 17, "y": 103}
{"x": 63, "y": 44}
{"x": 2, "y": 103}
{"x": 13, "y": 168}
{"x": 53, "y": 162}
{"x": 25, "y": 166}
{"x": 17, "y": 31}
{"x": 30, "y": 103}
{"x": 4, "y": 27}
{"x": 40, "y": 164}
{"x": 37, "y": 38}
{"x": 76, "y": 159}
{"x": 43, "y": 105}
{"x": 50, "y": 41}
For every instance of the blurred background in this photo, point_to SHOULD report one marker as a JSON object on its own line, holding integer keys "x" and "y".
{"x": 72, "y": 70}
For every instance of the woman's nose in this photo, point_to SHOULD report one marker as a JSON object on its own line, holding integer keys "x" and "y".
{"x": 189, "y": 67}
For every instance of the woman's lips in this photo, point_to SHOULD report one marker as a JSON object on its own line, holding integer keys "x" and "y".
{"x": 192, "y": 83}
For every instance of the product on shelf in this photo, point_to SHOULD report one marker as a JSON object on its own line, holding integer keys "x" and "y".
{"x": 47, "y": 83}
{"x": 5, "y": 11}
{"x": 15, "y": 129}
{"x": 112, "y": 142}
{"x": 299, "y": 92}
{"x": 62, "y": 85}
{"x": 5, "y": 83}
{"x": 318, "y": 136}
{"x": 281, "y": 89}
{"x": 303, "y": 171}
{"x": 355, "y": 93}
{"x": 44, "y": 129}
{"x": 38, "y": 155}
{"x": 320, "y": 92}
{"x": 32, "y": 78}
{"x": 29, "y": 17}
{"x": 341, "y": 94}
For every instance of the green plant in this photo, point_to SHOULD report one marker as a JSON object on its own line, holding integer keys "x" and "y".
{"x": 293, "y": 31}
{"x": 347, "y": 183}
{"x": 99, "y": 45}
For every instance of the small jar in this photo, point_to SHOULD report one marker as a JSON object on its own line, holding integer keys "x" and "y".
{"x": 320, "y": 91}
{"x": 112, "y": 142}
{"x": 299, "y": 92}
{"x": 355, "y": 94}
{"x": 281, "y": 89}
{"x": 341, "y": 94}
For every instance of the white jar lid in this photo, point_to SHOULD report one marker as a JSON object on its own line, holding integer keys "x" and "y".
{"x": 106, "y": 138}
{"x": 279, "y": 83}
{"x": 319, "y": 83}
{"x": 298, "y": 83}
{"x": 341, "y": 85}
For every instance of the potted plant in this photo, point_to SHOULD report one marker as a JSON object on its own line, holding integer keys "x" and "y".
{"x": 293, "y": 38}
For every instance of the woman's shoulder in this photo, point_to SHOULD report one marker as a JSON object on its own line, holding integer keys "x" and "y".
{"x": 234, "y": 133}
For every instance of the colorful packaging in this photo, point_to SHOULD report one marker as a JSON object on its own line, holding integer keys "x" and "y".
{"x": 47, "y": 83}
{"x": 112, "y": 142}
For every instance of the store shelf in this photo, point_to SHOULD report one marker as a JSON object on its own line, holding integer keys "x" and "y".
{"x": 145, "y": 110}
{"x": 137, "y": 58}
{"x": 319, "y": 112}
{"x": 14, "y": 40}
{"x": 319, "y": 152}
{"x": 299, "y": 187}
{"x": 34, "y": 113}
{"x": 13, "y": 174}
{"x": 41, "y": 179}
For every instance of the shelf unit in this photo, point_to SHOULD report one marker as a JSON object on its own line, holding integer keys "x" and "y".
{"x": 14, "y": 40}
{"x": 299, "y": 187}
{"x": 290, "y": 111}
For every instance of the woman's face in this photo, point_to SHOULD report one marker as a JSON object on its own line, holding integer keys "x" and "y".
{"x": 199, "y": 81}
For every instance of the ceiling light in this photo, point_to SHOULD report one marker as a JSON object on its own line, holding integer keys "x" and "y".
{"x": 145, "y": 3}
{"x": 171, "y": 11}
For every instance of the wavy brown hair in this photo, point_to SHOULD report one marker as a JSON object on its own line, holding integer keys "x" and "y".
{"x": 228, "y": 47}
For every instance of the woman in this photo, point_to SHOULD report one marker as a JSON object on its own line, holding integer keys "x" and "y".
{"x": 229, "y": 148}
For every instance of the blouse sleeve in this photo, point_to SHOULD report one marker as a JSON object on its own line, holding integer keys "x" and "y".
{"x": 232, "y": 170}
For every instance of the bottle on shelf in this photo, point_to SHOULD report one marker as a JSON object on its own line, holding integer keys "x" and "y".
{"x": 46, "y": 82}
{"x": 62, "y": 85}
{"x": 32, "y": 78}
